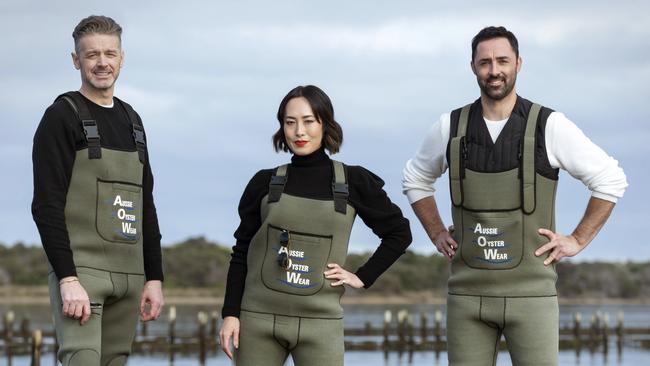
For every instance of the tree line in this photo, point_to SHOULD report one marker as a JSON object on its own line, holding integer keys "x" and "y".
{"x": 197, "y": 262}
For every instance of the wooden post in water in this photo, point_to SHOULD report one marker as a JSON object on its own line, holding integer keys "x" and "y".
{"x": 214, "y": 329}
{"x": 202, "y": 317}
{"x": 367, "y": 328}
{"x": 24, "y": 330}
{"x": 605, "y": 333}
{"x": 172, "y": 332}
{"x": 401, "y": 330}
{"x": 9, "y": 324}
{"x": 437, "y": 331}
{"x": 592, "y": 332}
{"x": 410, "y": 332}
{"x": 619, "y": 334}
{"x": 410, "y": 325}
{"x": 144, "y": 329}
{"x": 424, "y": 319}
{"x": 214, "y": 323}
{"x": 598, "y": 328}
{"x": 9, "y": 334}
{"x": 577, "y": 340}
{"x": 387, "y": 320}
{"x": 37, "y": 344}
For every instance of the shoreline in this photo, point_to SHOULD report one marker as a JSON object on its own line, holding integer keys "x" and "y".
{"x": 38, "y": 295}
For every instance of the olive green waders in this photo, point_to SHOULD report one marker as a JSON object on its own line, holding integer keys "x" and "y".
{"x": 288, "y": 306}
{"x": 497, "y": 284}
{"x": 103, "y": 216}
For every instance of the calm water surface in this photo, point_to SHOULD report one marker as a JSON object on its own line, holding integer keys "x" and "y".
{"x": 356, "y": 316}
{"x": 630, "y": 358}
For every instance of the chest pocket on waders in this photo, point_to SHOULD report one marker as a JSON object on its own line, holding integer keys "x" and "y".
{"x": 300, "y": 271}
{"x": 491, "y": 240}
{"x": 119, "y": 211}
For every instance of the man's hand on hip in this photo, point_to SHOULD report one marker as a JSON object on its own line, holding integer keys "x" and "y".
{"x": 559, "y": 245}
{"x": 445, "y": 243}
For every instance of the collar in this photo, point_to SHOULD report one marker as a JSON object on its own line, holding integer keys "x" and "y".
{"x": 318, "y": 157}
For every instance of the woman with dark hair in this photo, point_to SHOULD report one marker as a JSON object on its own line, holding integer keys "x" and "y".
{"x": 286, "y": 277}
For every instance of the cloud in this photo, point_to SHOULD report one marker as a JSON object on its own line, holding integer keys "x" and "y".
{"x": 156, "y": 104}
{"x": 207, "y": 78}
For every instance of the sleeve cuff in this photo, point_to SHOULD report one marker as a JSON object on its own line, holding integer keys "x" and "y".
{"x": 415, "y": 194}
{"x": 365, "y": 278}
{"x": 65, "y": 273}
{"x": 230, "y": 311}
{"x": 604, "y": 196}
{"x": 154, "y": 277}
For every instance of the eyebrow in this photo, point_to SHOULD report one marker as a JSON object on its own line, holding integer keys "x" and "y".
{"x": 498, "y": 58}
{"x": 101, "y": 50}
{"x": 305, "y": 116}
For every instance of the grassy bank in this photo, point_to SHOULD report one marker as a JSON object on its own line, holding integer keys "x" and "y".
{"x": 197, "y": 269}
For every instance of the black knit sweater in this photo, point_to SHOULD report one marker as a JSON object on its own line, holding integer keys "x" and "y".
{"x": 311, "y": 177}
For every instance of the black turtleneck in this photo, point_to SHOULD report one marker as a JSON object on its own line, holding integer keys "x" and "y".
{"x": 311, "y": 176}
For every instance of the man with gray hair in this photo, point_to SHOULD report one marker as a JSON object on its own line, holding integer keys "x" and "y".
{"x": 94, "y": 209}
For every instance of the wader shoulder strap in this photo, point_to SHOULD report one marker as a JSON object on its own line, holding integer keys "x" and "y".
{"x": 276, "y": 185}
{"x": 340, "y": 188}
{"x": 528, "y": 162}
{"x": 138, "y": 130}
{"x": 89, "y": 124}
{"x": 458, "y": 154}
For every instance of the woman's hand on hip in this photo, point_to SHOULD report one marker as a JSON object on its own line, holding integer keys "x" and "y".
{"x": 342, "y": 276}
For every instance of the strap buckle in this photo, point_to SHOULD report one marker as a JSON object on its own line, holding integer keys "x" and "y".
{"x": 138, "y": 134}
{"x": 90, "y": 129}
{"x": 340, "y": 188}
{"x": 278, "y": 180}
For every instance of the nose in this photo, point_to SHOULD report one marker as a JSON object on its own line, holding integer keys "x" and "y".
{"x": 101, "y": 60}
{"x": 495, "y": 70}
{"x": 300, "y": 128}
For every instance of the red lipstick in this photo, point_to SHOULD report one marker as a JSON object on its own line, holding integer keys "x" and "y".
{"x": 300, "y": 143}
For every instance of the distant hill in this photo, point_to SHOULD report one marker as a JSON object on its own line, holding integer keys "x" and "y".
{"x": 197, "y": 262}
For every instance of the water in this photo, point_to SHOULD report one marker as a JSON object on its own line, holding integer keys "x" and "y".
{"x": 631, "y": 357}
{"x": 355, "y": 317}
{"x": 637, "y": 316}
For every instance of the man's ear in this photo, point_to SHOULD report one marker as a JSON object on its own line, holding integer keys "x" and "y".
{"x": 75, "y": 60}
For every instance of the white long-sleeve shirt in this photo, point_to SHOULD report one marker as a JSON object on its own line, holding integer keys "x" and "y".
{"x": 566, "y": 145}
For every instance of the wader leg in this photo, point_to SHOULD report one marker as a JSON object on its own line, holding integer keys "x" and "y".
{"x": 80, "y": 345}
{"x": 121, "y": 319}
{"x": 471, "y": 339}
{"x": 320, "y": 343}
{"x": 258, "y": 344}
{"x": 532, "y": 330}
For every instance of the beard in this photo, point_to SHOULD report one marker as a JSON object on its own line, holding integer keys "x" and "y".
{"x": 497, "y": 93}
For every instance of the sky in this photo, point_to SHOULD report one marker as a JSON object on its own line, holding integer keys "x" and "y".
{"x": 207, "y": 78}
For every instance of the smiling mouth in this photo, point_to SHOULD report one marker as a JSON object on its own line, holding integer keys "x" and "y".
{"x": 102, "y": 74}
{"x": 496, "y": 82}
